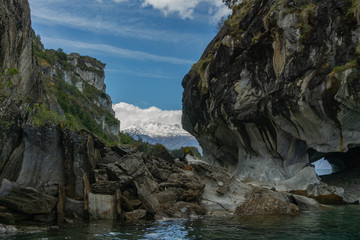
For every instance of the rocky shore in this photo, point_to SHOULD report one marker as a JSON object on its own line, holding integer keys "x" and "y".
{"x": 120, "y": 183}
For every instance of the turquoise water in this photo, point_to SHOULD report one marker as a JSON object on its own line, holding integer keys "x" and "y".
{"x": 334, "y": 222}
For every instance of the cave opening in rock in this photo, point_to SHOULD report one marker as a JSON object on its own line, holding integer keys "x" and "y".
{"x": 334, "y": 162}
{"x": 322, "y": 167}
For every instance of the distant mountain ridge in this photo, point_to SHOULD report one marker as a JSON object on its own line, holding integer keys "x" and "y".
{"x": 172, "y": 136}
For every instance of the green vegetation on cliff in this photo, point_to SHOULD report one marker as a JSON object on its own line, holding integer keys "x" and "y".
{"x": 75, "y": 104}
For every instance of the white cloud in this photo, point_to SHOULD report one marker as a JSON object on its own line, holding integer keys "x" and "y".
{"x": 119, "y": 52}
{"x": 130, "y": 115}
{"x": 186, "y": 8}
{"x": 128, "y": 27}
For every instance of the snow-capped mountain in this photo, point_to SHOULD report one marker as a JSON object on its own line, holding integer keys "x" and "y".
{"x": 156, "y": 129}
{"x": 154, "y": 125}
{"x": 172, "y": 136}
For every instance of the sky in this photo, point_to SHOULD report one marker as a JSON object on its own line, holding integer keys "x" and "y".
{"x": 148, "y": 45}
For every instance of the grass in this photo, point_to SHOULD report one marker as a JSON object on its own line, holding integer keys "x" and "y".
{"x": 45, "y": 116}
{"x": 342, "y": 68}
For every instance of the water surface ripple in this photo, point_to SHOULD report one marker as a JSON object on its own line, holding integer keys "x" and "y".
{"x": 334, "y": 222}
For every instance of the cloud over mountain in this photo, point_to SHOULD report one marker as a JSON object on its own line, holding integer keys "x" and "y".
{"x": 131, "y": 115}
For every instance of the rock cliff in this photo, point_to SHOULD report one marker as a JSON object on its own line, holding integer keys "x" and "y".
{"x": 277, "y": 89}
{"x": 60, "y": 157}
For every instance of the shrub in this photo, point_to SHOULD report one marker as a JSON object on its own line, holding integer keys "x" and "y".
{"x": 45, "y": 116}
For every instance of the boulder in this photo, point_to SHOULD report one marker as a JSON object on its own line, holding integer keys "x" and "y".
{"x": 28, "y": 201}
{"x": 262, "y": 201}
{"x": 151, "y": 204}
{"x": 135, "y": 215}
{"x": 163, "y": 153}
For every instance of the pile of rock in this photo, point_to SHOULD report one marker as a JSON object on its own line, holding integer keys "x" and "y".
{"x": 127, "y": 185}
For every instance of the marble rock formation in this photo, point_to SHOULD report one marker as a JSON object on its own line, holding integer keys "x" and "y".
{"x": 277, "y": 89}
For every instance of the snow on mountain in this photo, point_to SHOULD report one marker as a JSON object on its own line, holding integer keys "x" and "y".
{"x": 156, "y": 129}
{"x": 172, "y": 136}
{"x": 154, "y": 125}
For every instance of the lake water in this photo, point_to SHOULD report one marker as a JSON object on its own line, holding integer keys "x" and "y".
{"x": 334, "y": 222}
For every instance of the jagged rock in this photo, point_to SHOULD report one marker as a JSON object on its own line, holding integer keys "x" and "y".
{"x": 163, "y": 153}
{"x": 223, "y": 192}
{"x": 133, "y": 165}
{"x": 28, "y": 200}
{"x": 110, "y": 157}
{"x": 123, "y": 150}
{"x": 276, "y": 86}
{"x": 135, "y": 215}
{"x": 146, "y": 182}
{"x": 151, "y": 204}
{"x": 159, "y": 168}
{"x": 116, "y": 174}
{"x": 262, "y": 201}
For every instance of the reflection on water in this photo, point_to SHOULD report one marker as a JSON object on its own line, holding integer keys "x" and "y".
{"x": 334, "y": 222}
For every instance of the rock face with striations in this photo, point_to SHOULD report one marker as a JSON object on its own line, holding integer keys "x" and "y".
{"x": 278, "y": 88}
{"x": 59, "y": 157}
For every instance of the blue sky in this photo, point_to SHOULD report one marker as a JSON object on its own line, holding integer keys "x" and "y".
{"x": 148, "y": 45}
